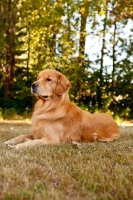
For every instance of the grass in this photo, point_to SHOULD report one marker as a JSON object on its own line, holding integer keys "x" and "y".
{"x": 64, "y": 172}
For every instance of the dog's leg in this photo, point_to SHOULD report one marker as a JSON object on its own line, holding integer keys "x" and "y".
{"x": 113, "y": 137}
{"x": 31, "y": 143}
{"x": 19, "y": 139}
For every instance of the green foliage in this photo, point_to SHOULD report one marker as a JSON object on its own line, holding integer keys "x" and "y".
{"x": 53, "y": 34}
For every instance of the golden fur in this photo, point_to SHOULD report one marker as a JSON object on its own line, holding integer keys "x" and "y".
{"x": 56, "y": 120}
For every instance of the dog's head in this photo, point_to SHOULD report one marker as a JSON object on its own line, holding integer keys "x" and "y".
{"x": 50, "y": 83}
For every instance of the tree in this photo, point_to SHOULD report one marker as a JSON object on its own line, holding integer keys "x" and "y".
{"x": 52, "y": 34}
{"x": 9, "y": 18}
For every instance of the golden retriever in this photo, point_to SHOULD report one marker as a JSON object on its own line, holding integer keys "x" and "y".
{"x": 57, "y": 120}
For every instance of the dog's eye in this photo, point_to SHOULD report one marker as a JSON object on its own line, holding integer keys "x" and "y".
{"x": 48, "y": 79}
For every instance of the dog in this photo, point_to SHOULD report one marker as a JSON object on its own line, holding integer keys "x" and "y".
{"x": 57, "y": 120}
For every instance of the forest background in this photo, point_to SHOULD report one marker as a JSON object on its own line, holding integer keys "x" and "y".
{"x": 40, "y": 34}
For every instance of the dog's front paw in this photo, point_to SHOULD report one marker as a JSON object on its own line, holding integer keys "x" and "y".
{"x": 11, "y": 146}
{"x": 8, "y": 142}
{"x": 21, "y": 146}
{"x": 16, "y": 147}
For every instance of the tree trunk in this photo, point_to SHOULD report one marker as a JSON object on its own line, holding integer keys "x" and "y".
{"x": 28, "y": 54}
{"x": 99, "y": 92}
{"x": 113, "y": 57}
{"x": 10, "y": 48}
{"x": 81, "y": 58}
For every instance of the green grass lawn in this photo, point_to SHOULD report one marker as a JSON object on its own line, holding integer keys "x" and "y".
{"x": 65, "y": 172}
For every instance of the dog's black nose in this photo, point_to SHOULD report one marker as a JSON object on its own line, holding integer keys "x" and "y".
{"x": 34, "y": 85}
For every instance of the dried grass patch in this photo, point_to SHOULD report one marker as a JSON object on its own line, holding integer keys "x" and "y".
{"x": 63, "y": 172}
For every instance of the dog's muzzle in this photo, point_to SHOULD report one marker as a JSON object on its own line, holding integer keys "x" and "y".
{"x": 34, "y": 87}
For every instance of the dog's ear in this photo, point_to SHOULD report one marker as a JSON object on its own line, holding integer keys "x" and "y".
{"x": 63, "y": 85}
